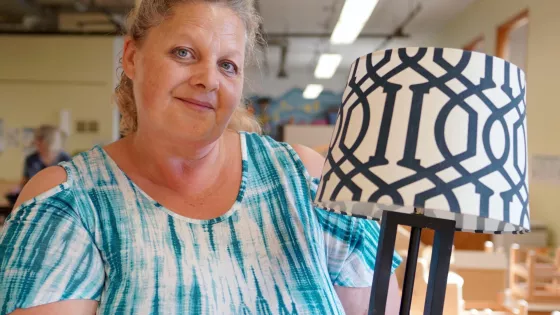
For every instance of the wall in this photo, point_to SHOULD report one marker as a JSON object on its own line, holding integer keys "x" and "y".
{"x": 40, "y": 76}
{"x": 543, "y": 66}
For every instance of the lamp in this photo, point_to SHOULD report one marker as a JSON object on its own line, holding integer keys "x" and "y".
{"x": 430, "y": 138}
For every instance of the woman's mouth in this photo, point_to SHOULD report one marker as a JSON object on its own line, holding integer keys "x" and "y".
{"x": 201, "y": 105}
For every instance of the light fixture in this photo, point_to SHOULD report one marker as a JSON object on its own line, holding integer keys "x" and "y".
{"x": 326, "y": 67}
{"x": 353, "y": 17}
{"x": 312, "y": 91}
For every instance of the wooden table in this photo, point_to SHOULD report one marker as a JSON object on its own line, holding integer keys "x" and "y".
{"x": 532, "y": 308}
{"x": 484, "y": 276}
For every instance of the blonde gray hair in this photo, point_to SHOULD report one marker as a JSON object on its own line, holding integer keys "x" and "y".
{"x": 51, "y": 136}
{"x": 151, "y": 13}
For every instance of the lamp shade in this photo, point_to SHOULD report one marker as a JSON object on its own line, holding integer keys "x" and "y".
{"x": 438, "y": 129}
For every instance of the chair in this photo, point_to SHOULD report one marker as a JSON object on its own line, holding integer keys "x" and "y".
{"x": 533, "y": 275}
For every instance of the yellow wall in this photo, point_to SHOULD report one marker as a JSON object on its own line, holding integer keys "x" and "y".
{"x": 543, "y": 70}
{"x": 40, "y": 76}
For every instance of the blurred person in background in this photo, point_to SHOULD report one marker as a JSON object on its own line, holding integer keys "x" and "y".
{"x": 193, "y": 211}
{"x": 49, "y": 151}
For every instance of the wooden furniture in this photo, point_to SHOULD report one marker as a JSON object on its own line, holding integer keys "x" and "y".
{"x": 533, "y": 275}
{"x": 517, "y": 306}
{"x": 537, "y": 238}
{"x": 401, "y": 247}
{"x": 504, "y": 31}
{"x": 484, "y": 274}
{"x": 461, "y": 241}
{"x": 454, "y": 304}
{"x": 308, "y": 135}
{"x": 476, "y": 44}
{"x": 453, "y": 296}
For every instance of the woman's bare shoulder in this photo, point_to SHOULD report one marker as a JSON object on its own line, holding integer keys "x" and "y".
{"x": 312, "y": 160}
{"x": 46, "y": 179}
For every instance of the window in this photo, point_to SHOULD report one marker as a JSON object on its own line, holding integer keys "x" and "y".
{"x": 512, "y": 40}
{"x": 476, "y": 45}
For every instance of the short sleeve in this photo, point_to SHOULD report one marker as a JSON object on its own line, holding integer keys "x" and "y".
{"x": 351, "y": 246}
{"x": 47, "y": 255}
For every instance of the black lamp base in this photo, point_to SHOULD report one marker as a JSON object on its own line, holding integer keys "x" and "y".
{"x": 439, "y": 266}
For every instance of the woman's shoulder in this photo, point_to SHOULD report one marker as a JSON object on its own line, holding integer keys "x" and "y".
{"x": 48, "y": 183}
{"x": 66, "y": 176}
{"x": 302, "y": 155}
{"x": 85, "y": 166}
{"x": 63, "y": 189}
{"x": 311, "y": 159}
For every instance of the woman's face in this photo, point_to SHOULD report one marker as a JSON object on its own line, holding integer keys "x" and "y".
{"x": 39, "y": 144}
{"x": 188, "y": 73}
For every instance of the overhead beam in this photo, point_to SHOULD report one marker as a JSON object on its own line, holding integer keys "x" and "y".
{"x": 328, "y": 35}
{"x": 399, "y": 30}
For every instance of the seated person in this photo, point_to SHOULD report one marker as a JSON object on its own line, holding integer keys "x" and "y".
{"x": 49, "y": 142}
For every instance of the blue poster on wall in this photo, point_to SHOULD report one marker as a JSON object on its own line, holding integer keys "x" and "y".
{"x": 293, "y": 108}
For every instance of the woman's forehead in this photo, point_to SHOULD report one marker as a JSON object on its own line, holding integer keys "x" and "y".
{"x": 205, "y": 26}
{"x": 203, "y": 17}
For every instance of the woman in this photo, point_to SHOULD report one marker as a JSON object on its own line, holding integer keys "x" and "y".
{"x": 49, "y": 142}
{"x": 192, "y": 212}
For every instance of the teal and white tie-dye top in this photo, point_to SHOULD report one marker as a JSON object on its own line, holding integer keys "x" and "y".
{"x": 98, "y": 236}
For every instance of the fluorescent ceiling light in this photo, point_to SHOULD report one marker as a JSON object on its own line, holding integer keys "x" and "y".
{"x": 312, "y": 91}
{"x": 353, "y": 17}
{"x": 326, "y": 67}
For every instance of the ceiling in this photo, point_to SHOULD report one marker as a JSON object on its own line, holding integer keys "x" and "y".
{"x": 297, "y": 31}
{"x": 417, "y": 20}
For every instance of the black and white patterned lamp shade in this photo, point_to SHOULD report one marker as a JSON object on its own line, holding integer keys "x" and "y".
{"x": 439, "y": 129}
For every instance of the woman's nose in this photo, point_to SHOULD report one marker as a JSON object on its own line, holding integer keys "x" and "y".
{"x": 205, "y": 76}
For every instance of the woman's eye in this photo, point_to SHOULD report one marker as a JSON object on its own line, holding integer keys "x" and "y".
{"x": 229, "y": 67}
{"x": 181, "y": 52}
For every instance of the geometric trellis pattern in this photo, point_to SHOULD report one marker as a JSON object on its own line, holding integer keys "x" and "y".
{"x": 434, "y": 128}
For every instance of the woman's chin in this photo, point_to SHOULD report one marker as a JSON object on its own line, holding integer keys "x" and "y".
{"x": 193, "y": 131}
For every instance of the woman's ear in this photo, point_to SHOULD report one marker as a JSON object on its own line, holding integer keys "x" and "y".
{"x": 128, "y": 58}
